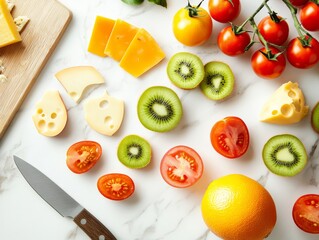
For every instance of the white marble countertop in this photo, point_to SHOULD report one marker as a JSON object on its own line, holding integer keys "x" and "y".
{"x": 156, "y": 210}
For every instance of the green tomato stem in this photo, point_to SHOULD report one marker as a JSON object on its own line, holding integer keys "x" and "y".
{"x": 193, "y": 11}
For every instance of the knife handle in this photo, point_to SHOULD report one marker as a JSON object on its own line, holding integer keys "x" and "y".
{"x": 92, "y": 226}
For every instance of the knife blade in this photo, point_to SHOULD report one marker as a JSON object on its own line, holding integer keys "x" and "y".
{"x": 62, "y": 202}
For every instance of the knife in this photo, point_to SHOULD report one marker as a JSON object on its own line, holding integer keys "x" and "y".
{"x": 62, "y": 202}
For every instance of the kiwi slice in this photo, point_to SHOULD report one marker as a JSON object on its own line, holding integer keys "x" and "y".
{"x": 284, "y": 155}
{"x": 315, "y": 118}
{"x": 134, "y": 151}
{"x": 185, "y": 70}
{"x": 218, "y": 82}
{"x": 159, "y": 109}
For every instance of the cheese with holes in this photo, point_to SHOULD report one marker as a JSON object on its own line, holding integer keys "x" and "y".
{"x": 77, "y": 79}
{"x": 8, "y": 30}
{"x": 142, "y": 54}
{"x": 120, "y": 38}
{"x": 100, "y": 35}
{"x": 50, "y": 116}
{"x": 285, "y": 106}
{"x": 104, "y": 114}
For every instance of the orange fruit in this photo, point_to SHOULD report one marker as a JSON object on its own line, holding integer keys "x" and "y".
{"x": 236, "y": 207}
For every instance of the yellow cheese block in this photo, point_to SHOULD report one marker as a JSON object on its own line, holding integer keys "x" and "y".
{"x": 8, "y": 30}
{"x": 120, "y": 38}
{"x": 142, "y": 54}
{"x": 285, "y": 106}
{"x": 100, "y": 35}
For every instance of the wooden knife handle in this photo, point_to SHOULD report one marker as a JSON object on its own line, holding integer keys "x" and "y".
{"x": 92, "y": 226}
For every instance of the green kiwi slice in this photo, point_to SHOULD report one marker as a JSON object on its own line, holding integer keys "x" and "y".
{"x": 315, "y": 118}
{"x": 134, "y": 151}
{"x": 285, "y": 155}
{"x": 185, "y": 70}
{"x": 159, "y": 109}
{"x": 219, "y": 80}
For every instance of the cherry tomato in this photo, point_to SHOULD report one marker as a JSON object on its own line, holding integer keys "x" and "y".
{"x": 116, "y": 186}
{"x": 274, "y": 32}
{"x": 298, "y": 3}
{"x": 232, "y": 44}
{"x": 192, "y": 27}
{"x": 224, "y": 10}
{"x": 82, "y": 156}
{"x": 300, "y": 56}
{"x": 230, "y": 137}
{"x": 181, "y": 167}
{"x": 309, "y": 16}
{"x": 305, "y": 213}
{"x": 268, "y": 68}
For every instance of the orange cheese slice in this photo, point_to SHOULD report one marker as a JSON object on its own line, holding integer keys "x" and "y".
{"x": 100, "y": 35}
{"x": 119, "y": 40}
{"x": 142, "y": 54}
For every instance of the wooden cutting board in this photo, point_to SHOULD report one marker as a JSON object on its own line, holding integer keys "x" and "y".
{"x": 24, "y": 61}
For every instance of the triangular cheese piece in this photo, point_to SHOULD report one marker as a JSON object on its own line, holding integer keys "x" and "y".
{"x": 142, "y": 54}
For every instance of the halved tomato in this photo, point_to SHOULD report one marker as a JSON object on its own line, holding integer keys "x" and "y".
{"x": 305, "y": 213}
{"x": 116, "y": 186}
{"x": 181, "y": 166}
{"x": 82, "y": 156}
{"x": 230, "y": 137}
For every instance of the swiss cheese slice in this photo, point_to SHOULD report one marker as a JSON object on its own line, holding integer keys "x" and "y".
{"x": 104, "y": 114}
{"x": 142, "y": 54}
{"x": 21, "y": 22}
{"x": 8, "y": 30}
{"x": 119, "y": 40}
{"x": 100, "y": 35}
{"x": 285, "y": 106}
{"x": 76, "y": 79}
{"x": 50, "y": 115}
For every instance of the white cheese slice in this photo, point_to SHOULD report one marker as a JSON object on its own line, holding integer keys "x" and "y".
{"x": 21, "y": 22}
{"x": 10, "y": 4}
{"x": 76, "y": 79}
{"x": 50, "y": 116}
{"x": 104, "y": 114}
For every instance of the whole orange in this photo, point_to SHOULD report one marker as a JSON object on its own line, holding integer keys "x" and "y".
{"x": 236, "y": 207}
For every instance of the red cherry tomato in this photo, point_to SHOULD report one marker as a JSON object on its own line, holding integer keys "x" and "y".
{"x": 116, "y": 186}
{"x": 274, "y": 32}
{"x": 232, "y": 44}
{"x": 298, "y": 3}
{"x": 305, "y": 213}
{"x": 300, "y": 56}
{"x": 82, "y": 156}
{"x": 181, "y": 167}
{"x": 267, "y": 68}
{"x": 309, "y": 16}
{"x": 224, "y": 10}
{"x": 230, "y": 137}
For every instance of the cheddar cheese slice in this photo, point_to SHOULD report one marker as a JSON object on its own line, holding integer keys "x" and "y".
{"x": 119, "y": 40}
{"x": 8, "y": 30}
{"x": 77, "y": 79}
{"x": 142, "y": 54}
{"x": 100, "y": 35}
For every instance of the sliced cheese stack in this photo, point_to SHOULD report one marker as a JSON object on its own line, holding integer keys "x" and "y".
{"x": 134, "y": 48}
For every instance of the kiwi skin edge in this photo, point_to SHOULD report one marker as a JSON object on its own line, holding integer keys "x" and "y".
{"x": 315, "y": 118}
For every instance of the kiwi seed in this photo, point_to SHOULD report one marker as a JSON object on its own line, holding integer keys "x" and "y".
{"x": 218, "y": 82}
{"x": 159, "y": 109}
{"x": 315, "y": 118}
{"x": 185, "y": 70}
{"x": 284, "y": 155}
{"x": 134, "y": 151}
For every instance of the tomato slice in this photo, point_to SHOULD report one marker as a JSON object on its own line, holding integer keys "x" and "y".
{"x": 82, "y": 156}
{"x": 116, "y": 186}
{"x": 230, "y": 137}
{"x": 305, "y": 213}
{"x": 181, "y": 167}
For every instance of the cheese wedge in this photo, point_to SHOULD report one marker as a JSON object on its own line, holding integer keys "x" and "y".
{"x": 100, "y": 35}
{"x": 104, "y": 114}
{"x": 10, "y": 5}
{"x": 21, "y": 22}
{"x": 142, "y": 54}
{"x": 8, "y": 30}
{"x": 285, "y": 106}
{"x": 119, "y": 40}
{"x": 77, "y": 79}
{"x": 50, "y": 116}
